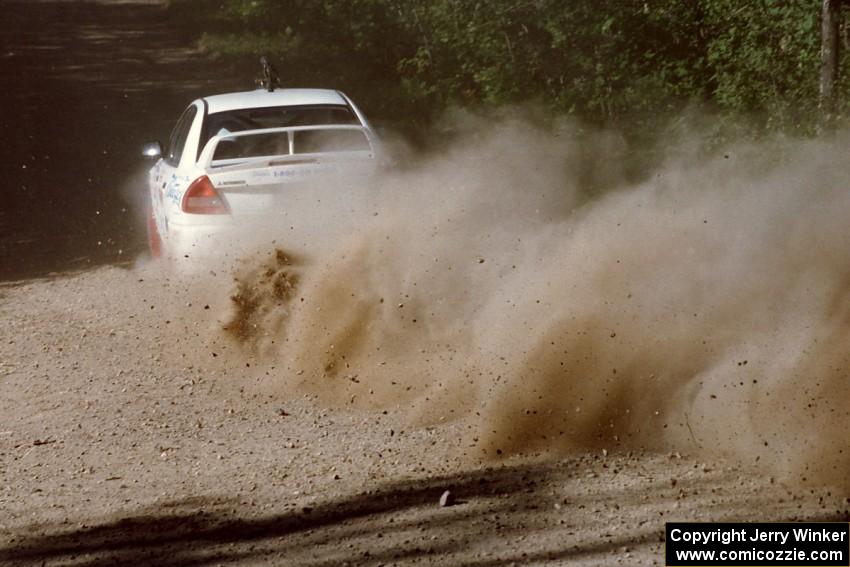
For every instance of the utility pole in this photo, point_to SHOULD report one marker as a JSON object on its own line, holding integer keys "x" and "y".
{"x": 830, "y": 16}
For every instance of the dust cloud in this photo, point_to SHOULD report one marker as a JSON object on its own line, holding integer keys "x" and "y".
{"x": 704, "y": 309}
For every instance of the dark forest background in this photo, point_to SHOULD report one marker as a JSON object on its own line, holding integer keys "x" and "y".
{"x": 636, "y": 63}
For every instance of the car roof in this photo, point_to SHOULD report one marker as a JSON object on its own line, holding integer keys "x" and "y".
{"x": 280, "y": 97}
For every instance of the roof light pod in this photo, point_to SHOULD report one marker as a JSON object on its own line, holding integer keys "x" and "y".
{"x": 201, "y": 198}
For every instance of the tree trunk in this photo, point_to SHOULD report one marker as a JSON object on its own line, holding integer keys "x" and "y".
{"x": 829, "y": 57}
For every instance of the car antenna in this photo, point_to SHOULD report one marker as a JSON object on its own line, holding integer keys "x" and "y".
{"x": 270, "y": 78}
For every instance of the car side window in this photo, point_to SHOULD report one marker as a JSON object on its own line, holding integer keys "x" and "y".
{"x": 178, "y": 136}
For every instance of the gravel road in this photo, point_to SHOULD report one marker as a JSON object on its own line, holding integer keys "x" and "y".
{"x": 124, "y": 441}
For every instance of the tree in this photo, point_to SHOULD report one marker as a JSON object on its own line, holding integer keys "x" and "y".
{"x": 830, "y": 17}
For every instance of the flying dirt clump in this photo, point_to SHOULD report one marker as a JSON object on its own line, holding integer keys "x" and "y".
{"x": 260, "y": 302}
{"x": 705, "y": 309}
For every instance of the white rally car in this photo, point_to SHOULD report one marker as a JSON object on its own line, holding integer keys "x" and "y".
{"x": 231, "y": 156}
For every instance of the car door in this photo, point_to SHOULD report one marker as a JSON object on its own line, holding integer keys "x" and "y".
{"x": 165, "y": 178}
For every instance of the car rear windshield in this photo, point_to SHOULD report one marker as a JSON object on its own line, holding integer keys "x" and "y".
{"x": 276, "y": 117}
{"x": 288, "y": 143}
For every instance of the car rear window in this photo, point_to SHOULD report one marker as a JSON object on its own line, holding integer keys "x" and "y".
{"x": 302, "y": 142}
{"x": 276, "y": 117}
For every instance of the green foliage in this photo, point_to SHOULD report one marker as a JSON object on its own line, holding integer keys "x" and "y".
{"x": 606, "y": 60}
{"x": 765, "y": 56}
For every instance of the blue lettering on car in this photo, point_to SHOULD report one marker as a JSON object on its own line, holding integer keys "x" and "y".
{"x": 174, "y": 189}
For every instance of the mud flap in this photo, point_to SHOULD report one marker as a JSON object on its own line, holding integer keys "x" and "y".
{"x": 154, "y": 241}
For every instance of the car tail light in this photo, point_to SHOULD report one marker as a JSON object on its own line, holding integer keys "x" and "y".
{"x": 201, "y": 198}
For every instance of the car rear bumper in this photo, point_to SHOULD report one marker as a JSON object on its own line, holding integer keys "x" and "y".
{"x": 198, "y": 241}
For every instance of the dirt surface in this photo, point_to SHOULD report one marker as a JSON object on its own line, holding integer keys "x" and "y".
{"x": 115, "y": 452}
{"x": 129, "y": 436}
